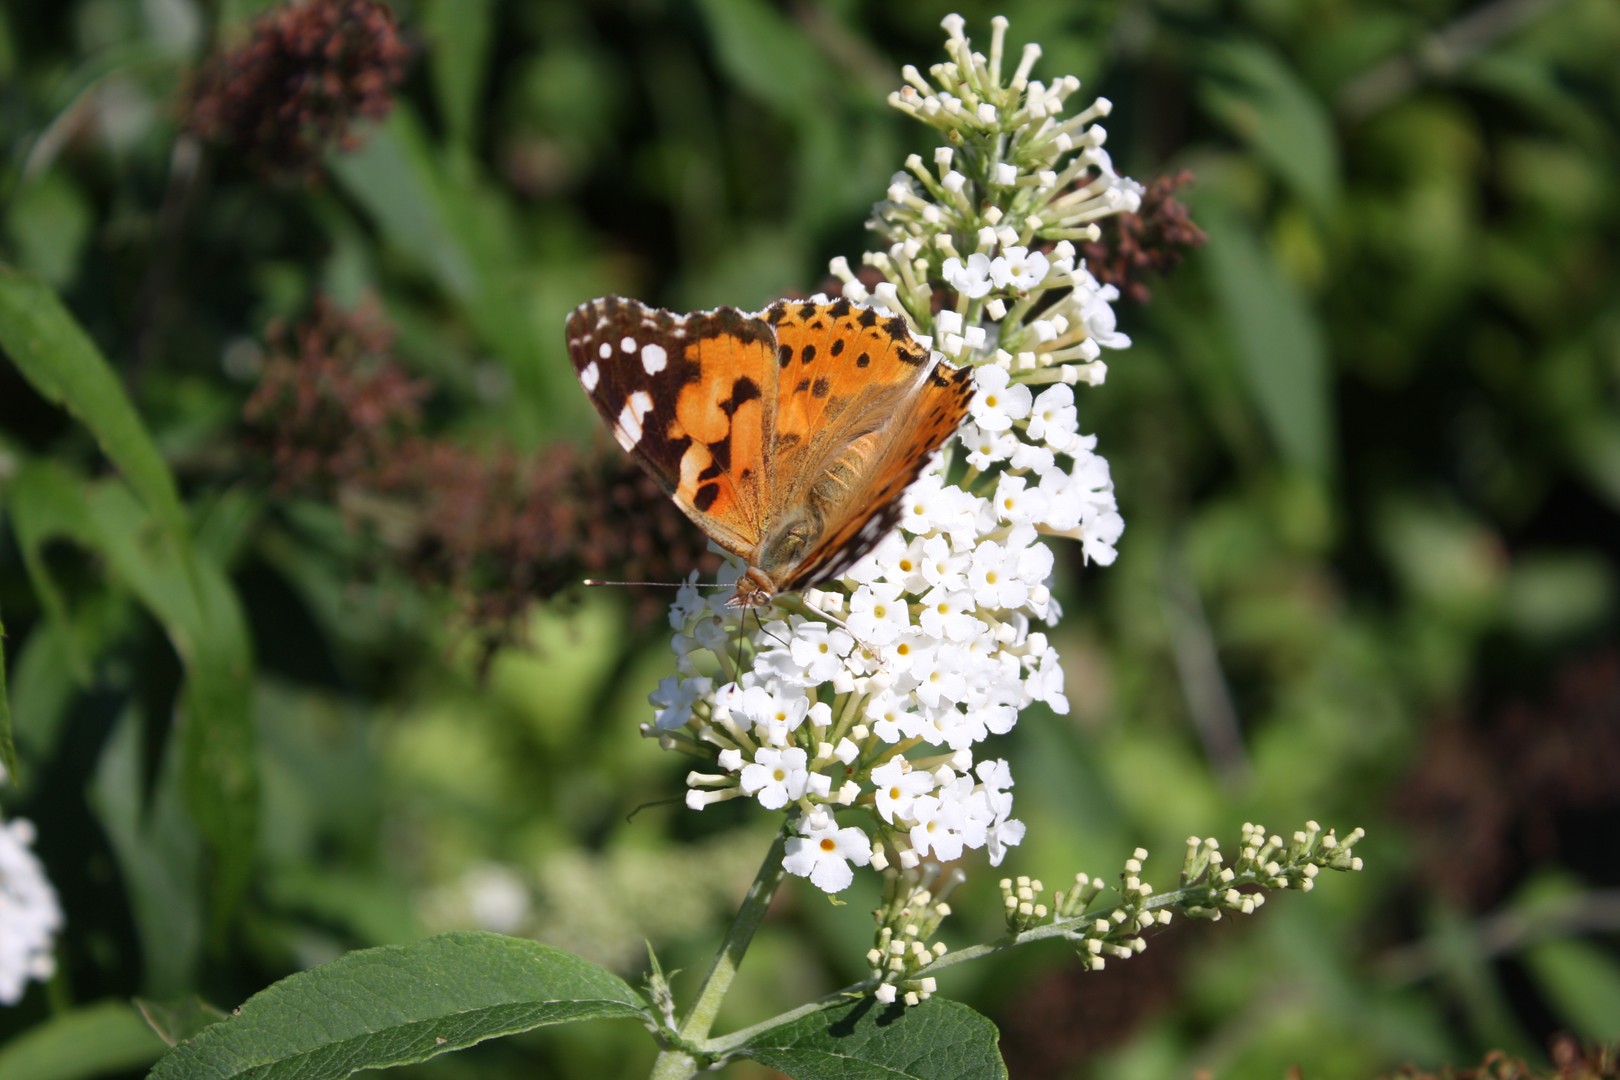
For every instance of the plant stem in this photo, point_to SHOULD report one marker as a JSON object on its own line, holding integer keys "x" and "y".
{"x": 675, "y": 1063}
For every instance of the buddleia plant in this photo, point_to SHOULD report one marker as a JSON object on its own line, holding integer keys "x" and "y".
{"x": 864, "y": 714}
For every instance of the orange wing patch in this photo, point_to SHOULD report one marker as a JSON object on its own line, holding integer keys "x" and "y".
{"x": 831, "y": 354}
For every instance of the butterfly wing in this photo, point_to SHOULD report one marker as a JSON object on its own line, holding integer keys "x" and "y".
{"x": 861, "y": 409}
{"x": 691, "y": 397}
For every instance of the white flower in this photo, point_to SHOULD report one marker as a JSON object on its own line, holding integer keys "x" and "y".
{"x": 877, "y": 613}
{"x": 892, "y": 717}
{"x": 674, "y": 699}
{"x": 824, "y": 852}
{"x": 776, "y": 777}
{"x": 1016, "y": 501}
{"x": 1052, "y": 417}
{"x": 1097, "y": 312}
{"x": 773, "y": 713}
{"x": 819, "y": 650}
{"x": 987, "y": 448}
{"x": 30, "y": 916}
{"x": 994, "y": 577}
{"x": 1019, "y": 268}
{"x": 939, "y": 828}
{"x": 897, "y": 786}
{"x": 971, "y": 279}
{"x": 949, "y": 615}
{"x": 935, "y": 653}
{"x": 996, "y": 404}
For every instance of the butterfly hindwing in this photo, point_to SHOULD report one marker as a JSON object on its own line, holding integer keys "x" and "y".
{"x": 870, "y": 509}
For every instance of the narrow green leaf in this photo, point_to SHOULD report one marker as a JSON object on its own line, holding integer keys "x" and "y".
{"x": 8, "y": 746}
{"x": 55, "y": 355}
{"x": 204, "y": 621}
{"x": 159, "y": 851}
{"x": 458, "y": 34}
{"x": 400, "y": 1004}
{"x": 766, "y": 54}
{"x": 394, "y": 177}
{"x": 937, "y": 1040}
{"x": 95, "y": 1040}
{"x": 1278, "y": 339}
{"x": 46, "y": 504}
{"x": 1258, "y": 96}
{"x": 1583, "y": 981}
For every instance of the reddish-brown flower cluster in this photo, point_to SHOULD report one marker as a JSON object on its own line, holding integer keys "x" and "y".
{"x": 1533, "y": 785}
{"x": 1151, "y": 241}
{"x": 1570, "y": 1061}
{"x": 331, "y": 406}
{"x": 309, "y": 71}
{"x": 338, "y": 419}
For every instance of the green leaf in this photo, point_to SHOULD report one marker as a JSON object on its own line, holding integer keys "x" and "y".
{"x": 204, "y": 622}
{"x": 1583, "y": 982}
{"x": 46, "y": 505}
{"x": 458, "y": 231}
{"x": 94, "y": 1040}
{"x": 191, "y": 598}
{"x": 8, "y": 746}
{"x": 49, "y": 222}
{"x": 159, "y": 851}
{"x": 1259, "y": 97}
{"x": 1277, "y": 336}
{"x": 457, "y": 33}
{"x": 400, "y": 1004}
{"x": 766, "y": 54}
{"x": 55, "y": 355}
{"x": 937, "y": 1040}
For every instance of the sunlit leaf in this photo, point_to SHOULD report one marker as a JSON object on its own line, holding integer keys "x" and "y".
{"x": 399, "y": 1004}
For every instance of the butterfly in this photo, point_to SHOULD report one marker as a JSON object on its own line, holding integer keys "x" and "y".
{"x": 789, "y": 435}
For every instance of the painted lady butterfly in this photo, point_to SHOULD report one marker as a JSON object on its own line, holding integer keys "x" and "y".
{"x": 788, "y": 435}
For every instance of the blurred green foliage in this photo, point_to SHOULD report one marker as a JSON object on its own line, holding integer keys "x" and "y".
{"x": 1367, "y": 447}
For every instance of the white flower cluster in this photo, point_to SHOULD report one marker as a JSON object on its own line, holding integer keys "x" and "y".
{"x": 878, "y": 695}
{"x": 30, "y": 916}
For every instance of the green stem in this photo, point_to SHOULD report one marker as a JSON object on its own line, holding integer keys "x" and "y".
{"x": 676, "y": 1063}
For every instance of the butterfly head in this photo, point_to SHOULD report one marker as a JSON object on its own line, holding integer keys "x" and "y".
{"x": 754, "y": 590}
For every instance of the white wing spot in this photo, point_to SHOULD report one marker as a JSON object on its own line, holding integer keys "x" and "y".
{"x": 604, "y": 350}
{"x": 589, "y": 376}
{"x": 628, "y": 429}
{"x": 654, "y": 359}
{"x": 628, "y": 344}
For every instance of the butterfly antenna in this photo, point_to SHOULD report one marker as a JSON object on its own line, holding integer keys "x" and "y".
{"x": 869, "y": 650}
{"x": 659, "y": 584}
{"x": 631, "y": 816}
{"x": 761, "y": 624}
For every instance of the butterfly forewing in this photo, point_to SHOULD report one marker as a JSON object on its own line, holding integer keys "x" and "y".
{"x": 689, "y": 396}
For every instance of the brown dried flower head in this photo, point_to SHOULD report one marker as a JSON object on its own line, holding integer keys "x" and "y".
{"x": 309, "y": 71}
{"x": 1151, "y": 241}
{"x": 339, "y": 419}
